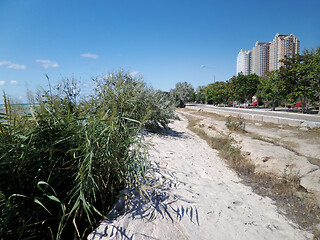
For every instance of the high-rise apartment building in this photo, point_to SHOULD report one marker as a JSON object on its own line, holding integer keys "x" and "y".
{"x": 281, "y": 46}
{"x": 266, "y": 57}
{"x": 260, "y": 58}
{"x": 243, "y": 62}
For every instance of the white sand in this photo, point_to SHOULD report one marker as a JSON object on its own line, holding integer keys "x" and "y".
{"x": 196, "y": 196}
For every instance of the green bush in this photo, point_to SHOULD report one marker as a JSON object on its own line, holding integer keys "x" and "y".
{"x": 62, "y": 171}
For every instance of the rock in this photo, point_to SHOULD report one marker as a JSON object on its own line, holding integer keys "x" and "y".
{"x": 310, "y": 125}
{"x": 304, "y": 129}
{"x": 246, "y": 153}
{"x": 318, "y": 226}
{"x": 311, "y": 181}
{"x": 265, "y": 159}
{"x": 258, "y": 124}
{"x": 275, "y": 159}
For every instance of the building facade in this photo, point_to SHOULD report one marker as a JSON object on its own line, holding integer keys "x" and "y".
{"x": 243, "y": 62}
{"x": 260, "y": 58}
{"x": 281, "y": 46}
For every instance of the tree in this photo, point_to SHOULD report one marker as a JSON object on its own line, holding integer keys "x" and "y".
{"x": 273, "y": 87}
{"x": 200, "y": 95}
{"x": 296, "y": 72}
{"x": 217, "y": 92}
{"x": 312, "y": 67}
{"x": 230, "y": 89}
{"x": 181, "y": 94}
{"x": 244, "y": 87}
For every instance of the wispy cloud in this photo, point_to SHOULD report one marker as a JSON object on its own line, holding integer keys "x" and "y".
{"x": 47, "y": 63}
{"x": 134, "y": 73}
{"x": 11, "y": 65}
{"x": 14, "y": 82}
{"x": 89, "y": 55}
{"x": 17, "y": 66}
{"x": 2, "y": 63}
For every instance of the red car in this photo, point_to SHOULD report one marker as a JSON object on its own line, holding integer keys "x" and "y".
{"x": 298, "y": 104}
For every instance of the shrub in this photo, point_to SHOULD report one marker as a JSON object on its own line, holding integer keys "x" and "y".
{"x": 119, "y": 91}
{"x": 237, "y": 124}
{"x": 181, "y": 94}
{"x": 64, "y": 169}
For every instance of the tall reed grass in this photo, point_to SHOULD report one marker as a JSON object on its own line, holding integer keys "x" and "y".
{"x": 63, "y": 165}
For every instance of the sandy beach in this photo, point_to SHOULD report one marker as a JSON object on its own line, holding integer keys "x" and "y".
{"x": 194, "y": 195}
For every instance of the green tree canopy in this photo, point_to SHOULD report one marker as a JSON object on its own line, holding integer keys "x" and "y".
{"x": 181, "y": 94}
{"x": 311, "y": 66}
{"x": 296, "y": 72}
{"x": 217, "y": 92}
{"x": 273, "y": 88}
{"x": 244, "y": 87}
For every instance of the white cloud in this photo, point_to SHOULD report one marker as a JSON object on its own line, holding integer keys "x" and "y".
{"x": 14, "y": 82}
{"x": 11, "y": 65}
{"x": 17, "y": 66}
{"x": 2, "y": 63}
{"x": 2, "y": 83}
{"x": 89, "y": 55}
{"x": 134, "y": 73}
{"x": 47, "y": 63}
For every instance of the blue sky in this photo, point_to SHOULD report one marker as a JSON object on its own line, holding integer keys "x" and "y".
{"x": 164, "y": 41}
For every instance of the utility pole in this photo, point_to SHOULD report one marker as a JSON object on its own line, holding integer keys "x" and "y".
{"x": 214, "y": 75}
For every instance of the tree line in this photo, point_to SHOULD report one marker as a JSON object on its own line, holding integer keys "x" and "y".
{"x": 298, "y": 80}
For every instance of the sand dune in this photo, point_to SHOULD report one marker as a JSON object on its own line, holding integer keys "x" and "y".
{"x": 193, "y": 195}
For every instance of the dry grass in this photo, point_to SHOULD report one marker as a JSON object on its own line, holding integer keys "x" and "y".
{"x": 225, "y": 147}
{"x": 285, "y": 190}
{"x": 202, "y": 113}
{"x": 236, "y": 124}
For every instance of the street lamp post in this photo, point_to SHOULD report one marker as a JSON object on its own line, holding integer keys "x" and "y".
{"x": 214, "y": 76}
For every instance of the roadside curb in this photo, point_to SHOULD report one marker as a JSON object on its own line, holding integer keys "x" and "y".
{"x": 262, "y": 118}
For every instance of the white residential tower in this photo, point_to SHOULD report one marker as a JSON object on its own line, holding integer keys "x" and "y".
{"x": 281, "y": 46}
{"x": 260, "y": 58}
{"x": 243, "y": 62}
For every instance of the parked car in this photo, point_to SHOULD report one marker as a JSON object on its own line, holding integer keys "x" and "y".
{"x": 298, "y": 104}
{"x": 253, "y": 104}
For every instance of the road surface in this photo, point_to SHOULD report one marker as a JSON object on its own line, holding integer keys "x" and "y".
{"x": 264, "y": 112}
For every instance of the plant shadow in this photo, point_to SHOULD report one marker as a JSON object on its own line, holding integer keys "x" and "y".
{"x": 148, "y": 206}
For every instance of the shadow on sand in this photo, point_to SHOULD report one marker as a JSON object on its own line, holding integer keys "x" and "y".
{"x": 147, "y": 207}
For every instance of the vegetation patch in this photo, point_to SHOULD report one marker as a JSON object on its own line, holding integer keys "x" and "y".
{"x": 64, "y": 163}
{"x": 225, "y": 147}
{"x": 236, "y": 124}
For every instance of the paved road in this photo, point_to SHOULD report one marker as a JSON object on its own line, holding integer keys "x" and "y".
{"x": 265, "y": 112}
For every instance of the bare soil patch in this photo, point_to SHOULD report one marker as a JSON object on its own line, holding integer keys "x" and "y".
{"x": 276, "y": 161}
{"x": 193, "y": 194}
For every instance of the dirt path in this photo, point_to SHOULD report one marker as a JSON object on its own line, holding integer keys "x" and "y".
{"x": 195, "y": 196}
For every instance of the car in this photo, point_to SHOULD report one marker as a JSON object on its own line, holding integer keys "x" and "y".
{"x": 253, "y": 104}
{"x": 298, "y": 104}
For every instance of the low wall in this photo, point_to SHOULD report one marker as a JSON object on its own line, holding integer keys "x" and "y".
{"x": 263, "y": 118}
